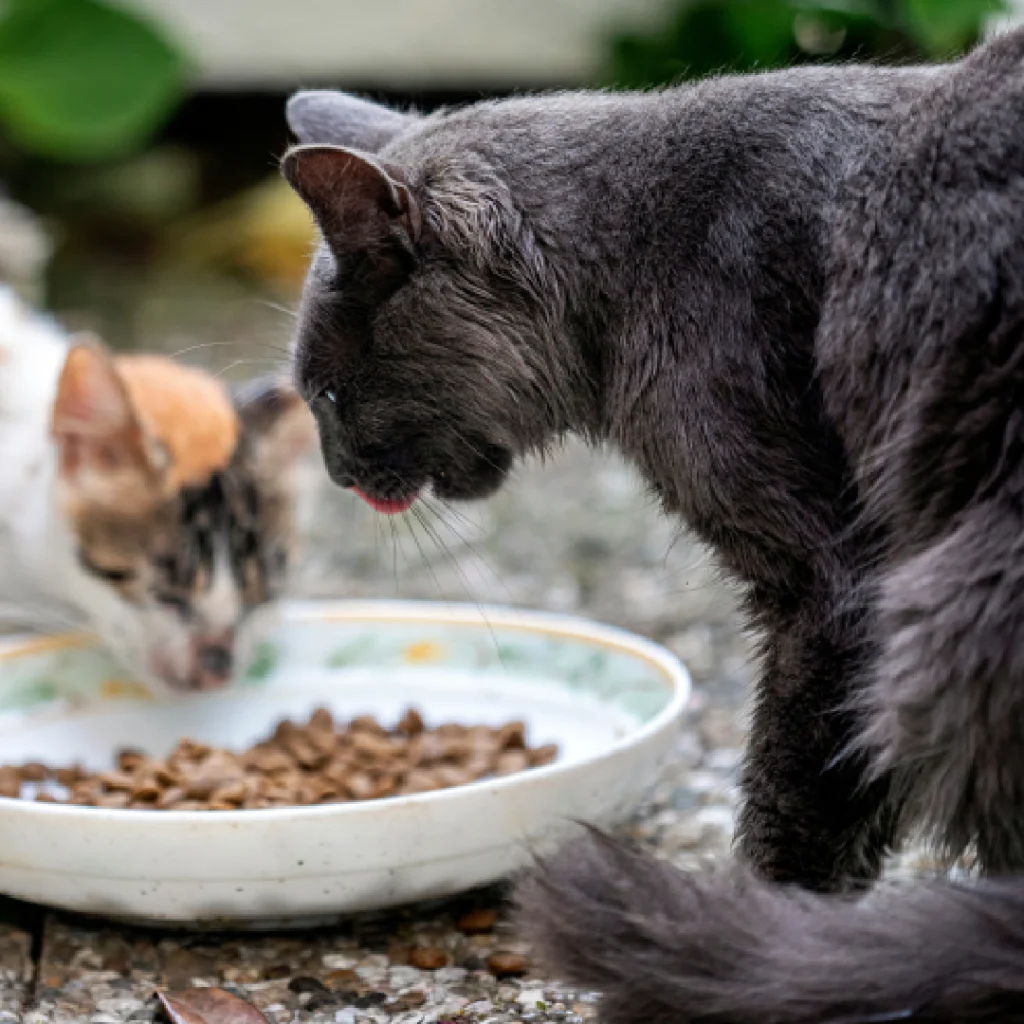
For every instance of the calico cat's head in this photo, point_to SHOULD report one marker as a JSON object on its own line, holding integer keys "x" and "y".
{"x": 431, "y": 339}
{"x": 178, "y": 505}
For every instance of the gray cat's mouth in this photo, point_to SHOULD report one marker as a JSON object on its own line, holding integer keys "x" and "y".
{"x": 388, "y": 506}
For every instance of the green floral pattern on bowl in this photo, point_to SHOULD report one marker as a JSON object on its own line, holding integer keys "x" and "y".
{"x": 339, "y": 637}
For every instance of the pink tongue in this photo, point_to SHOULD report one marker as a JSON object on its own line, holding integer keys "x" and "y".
{"x": 389, "y": 507}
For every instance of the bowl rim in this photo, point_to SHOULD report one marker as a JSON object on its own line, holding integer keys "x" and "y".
{"x": 670, "y": 667}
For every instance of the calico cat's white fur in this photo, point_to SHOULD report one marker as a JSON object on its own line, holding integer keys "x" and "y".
{"x": 137, "y": 501}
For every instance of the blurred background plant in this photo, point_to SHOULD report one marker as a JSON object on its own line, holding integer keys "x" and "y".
{"x": 702, "y": 37}
{"x": 144, "y": 133}
{"x": 83, "y": 80}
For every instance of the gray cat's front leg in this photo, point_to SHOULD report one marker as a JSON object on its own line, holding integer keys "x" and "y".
{"x": 808, "y": 817}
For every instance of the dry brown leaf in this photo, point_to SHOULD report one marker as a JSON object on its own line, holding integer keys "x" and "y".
{"x": 208, "y": 1006}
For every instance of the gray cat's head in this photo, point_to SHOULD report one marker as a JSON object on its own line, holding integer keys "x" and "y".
{"x": 428, "y": 344}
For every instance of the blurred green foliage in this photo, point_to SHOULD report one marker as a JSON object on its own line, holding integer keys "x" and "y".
{"x": 705, "y": 37}
{"x": 83, "y": 80}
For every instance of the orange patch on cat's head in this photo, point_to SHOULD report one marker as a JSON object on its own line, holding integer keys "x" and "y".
{"x": 187, "y": 411}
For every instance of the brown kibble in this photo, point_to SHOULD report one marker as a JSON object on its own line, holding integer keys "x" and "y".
{"x": 299, "y": 765}
{"x": 411, "y": 723}
{"x": 10, "y": 782}
{"x": 270, "y": 761}
{"x": 130, "y": 760}
{"x": 360, "y": 786}
{"x": 114, "y": 801}
{"x": 43, "y": 797}
{"x": 478, "y": 921}
{"x": 366, "y": 723}
{"x": 86, "y": 791}
{"x": 368, "y": 746}
{"x": 190, "y": 750}
{"x": 479, "y": 766}
{"x": 322, "y": 721}
{"x": 166, "y": 776}
{"x": 428, "y": 958}
{"x": 448, "y": 776}
{"x": 307, "y": 754}
{"x": 507, "y": 965}
{"x": 67, "y": 777}
{"x": 484, "y": 738}
{"x": 33, "y": 771}
{"x": 146, "y": 791}
{"x": 231, "y": 792}
{"x": 427, "y": 749}
{"x": 421, "y": 781}
{"x": 117, "y": 781}
{"x": 170, "y": 797}
{"x": 512, "y": 761}
{"x": 512, "y": 736}
{"x": 543, "y": 755}
{"x": 457, "y": 749}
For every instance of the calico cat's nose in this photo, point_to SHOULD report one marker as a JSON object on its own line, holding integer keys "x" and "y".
{"x": 216, "y": 660}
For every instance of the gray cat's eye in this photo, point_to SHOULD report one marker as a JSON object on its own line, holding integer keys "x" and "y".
{"x": 330, "y": 396}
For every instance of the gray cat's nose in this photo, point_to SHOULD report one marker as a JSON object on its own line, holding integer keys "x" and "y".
{"x": 216, "y": 660}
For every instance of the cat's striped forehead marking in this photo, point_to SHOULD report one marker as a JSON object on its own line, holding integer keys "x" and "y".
{"x": 187, "y": 411}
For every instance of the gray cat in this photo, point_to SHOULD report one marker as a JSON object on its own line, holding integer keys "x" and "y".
{"x": 796, "y": 301}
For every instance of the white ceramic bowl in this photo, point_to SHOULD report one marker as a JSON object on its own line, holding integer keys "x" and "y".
{"x": 612, "y": 701}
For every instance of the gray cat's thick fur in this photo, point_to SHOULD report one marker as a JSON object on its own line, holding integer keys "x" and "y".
{"x": 796, "y": 301}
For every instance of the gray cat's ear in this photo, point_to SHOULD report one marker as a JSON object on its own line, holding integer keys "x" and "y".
{"x": 358, "y": 203}
{"x": 338, "y": 119}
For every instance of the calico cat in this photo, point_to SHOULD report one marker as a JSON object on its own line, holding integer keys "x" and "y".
{"x": 795, "y": 301}
{"x": 138, "y": 501}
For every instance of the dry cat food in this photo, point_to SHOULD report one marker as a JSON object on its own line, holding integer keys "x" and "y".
{"x": 321, "y": 762}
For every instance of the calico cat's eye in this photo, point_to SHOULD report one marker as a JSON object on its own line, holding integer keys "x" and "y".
{"x": 330, "y": 396}
{"x": 109, "y": 574}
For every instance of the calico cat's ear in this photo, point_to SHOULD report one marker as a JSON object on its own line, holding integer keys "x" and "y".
{"x": 278, "y": 425}
{"x": 94, "y": 425}
{"x": 358, "y": 203}
{"x": 338, "y": 119}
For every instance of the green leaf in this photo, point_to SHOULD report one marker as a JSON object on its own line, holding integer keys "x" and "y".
{"x": 82, "y": 80}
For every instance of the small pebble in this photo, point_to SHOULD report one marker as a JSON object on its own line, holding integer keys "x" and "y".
{"x": 302, "y": 984}
{"x": 450, "y": 976}
{"x": 531, "y": 997}
{"x": 338, "y": 961}
{"x": 428, "y": 958}
{"x": 402, "y": 977}
{"x": 119, "y": 1007}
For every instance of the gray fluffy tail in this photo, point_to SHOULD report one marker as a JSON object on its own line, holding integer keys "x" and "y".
{"x": 668, "y": 946}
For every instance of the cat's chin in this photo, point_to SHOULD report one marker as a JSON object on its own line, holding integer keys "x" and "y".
{"x": 487, "y": 480}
